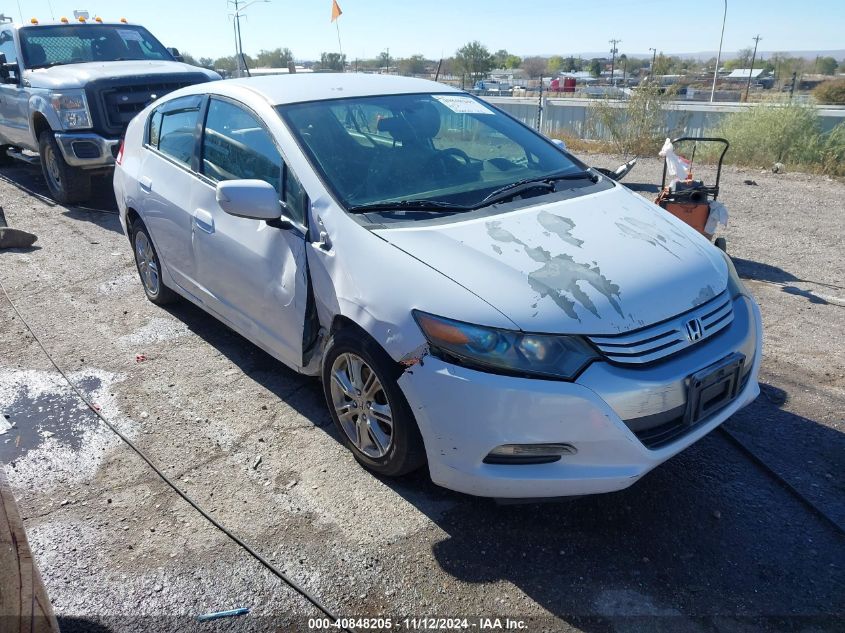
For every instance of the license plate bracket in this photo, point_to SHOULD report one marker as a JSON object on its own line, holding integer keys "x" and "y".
{"x": 713, "y": 387}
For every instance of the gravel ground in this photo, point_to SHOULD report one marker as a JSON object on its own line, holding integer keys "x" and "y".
{"x": 707, "y": 542}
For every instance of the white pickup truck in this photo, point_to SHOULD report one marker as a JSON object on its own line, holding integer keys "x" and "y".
{"x": 68, "y": 90}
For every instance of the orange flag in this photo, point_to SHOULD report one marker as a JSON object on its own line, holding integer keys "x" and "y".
{"x": 336, "y": 12}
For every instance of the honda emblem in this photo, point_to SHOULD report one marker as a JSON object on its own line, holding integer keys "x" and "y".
{"x": 694, "y": 330}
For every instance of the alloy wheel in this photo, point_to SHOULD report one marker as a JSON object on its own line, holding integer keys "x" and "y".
{"x": 361, "y": 405}
{"x": 147, "y": 265}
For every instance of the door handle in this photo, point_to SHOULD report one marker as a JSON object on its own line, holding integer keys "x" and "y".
{"x": 204, "y": 221}
{"x": 146, "y": 184}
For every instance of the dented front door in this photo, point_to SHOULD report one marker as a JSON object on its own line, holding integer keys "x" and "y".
{"x": 251, "y": 274}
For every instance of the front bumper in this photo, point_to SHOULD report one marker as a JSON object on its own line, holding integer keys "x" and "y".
{"x": 463, "y": 414}
{"x": 87, "y": 150}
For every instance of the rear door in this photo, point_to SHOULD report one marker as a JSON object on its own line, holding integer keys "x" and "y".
{"x": 252, "y": 274}
{"x": 167, "y": 183}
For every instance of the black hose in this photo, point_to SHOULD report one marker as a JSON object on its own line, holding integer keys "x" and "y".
{"x": 284, "y": 578}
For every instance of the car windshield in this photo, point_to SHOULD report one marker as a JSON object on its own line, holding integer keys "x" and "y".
{"x": 439, "y": 152}
{"x": 45, "y": 46}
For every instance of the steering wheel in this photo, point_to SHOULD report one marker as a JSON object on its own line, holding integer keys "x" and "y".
{"x": 440, "y": 160}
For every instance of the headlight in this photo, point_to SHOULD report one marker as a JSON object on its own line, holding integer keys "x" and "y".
{"x": 735, "y": 285}
{"x": 72, "y": 109}
{"x": 506, "y": 351}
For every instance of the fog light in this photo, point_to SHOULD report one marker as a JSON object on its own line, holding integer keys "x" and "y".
{"x": 528, "y": 453}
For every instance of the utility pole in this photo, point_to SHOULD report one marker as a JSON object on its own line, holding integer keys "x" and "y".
{"x": 240, "y": 6}
{"x": 613, "y": 51}
{"x": 719, "y": 54}
{"x": 653, "y": 60}
{"x": 751, "y": 70}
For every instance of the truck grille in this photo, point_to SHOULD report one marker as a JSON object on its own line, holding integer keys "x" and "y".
{"x": 123, "y": 103}
{"x": 656, "y": 342}
{"x": 114, "y": 102}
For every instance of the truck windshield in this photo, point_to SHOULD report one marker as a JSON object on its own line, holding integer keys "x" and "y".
{"x": 441, "y": 151}
{"x": 45, "y": 46}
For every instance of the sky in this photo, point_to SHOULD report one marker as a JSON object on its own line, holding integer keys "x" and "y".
{"x": 437, "y": 28}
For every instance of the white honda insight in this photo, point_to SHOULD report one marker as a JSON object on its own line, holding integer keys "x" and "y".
{"x": 471, "y": 295}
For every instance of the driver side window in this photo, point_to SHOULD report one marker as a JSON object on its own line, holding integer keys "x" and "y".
{"x": 7, "y": 46}
{"x": 237, "y": 146}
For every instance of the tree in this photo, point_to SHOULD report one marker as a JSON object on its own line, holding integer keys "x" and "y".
{"x": 742, "y": 60}
{"x": 571, "y": 65}
{"x": 534, "y": 66}
{"x": 279, "y": 58}
{"x": 413, "y": 65}
{"x": 826, "y": 65}
{"x": 474, "y": 60}
{"x": 206, "y": 62}
{"x": 230, "y": 64}
{"x": 595, "y": 68}
{"x": 189, "y": 59}
{"x": 332, "y": 61}
{"x": 554, "y": 65}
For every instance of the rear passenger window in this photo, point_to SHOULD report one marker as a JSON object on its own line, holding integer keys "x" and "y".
{"x": 235, "y": 146}
{"x": 173, "y": 127}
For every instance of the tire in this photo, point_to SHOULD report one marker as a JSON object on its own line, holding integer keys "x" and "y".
{"x": 66, "y": 184}
{"x": 392, "y": 454}
{"x": 149, "y": 266}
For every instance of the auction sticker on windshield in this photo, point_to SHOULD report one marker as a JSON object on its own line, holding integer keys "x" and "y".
{"x": 463, "y": 105}
{"x": 129, "y": 35}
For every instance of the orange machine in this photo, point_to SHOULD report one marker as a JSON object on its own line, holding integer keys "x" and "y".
{"x": 690, "y": 199}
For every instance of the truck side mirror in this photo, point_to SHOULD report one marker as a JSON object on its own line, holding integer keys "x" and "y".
{"x": 176, "y": 54}
{"x": 6, "y": 70}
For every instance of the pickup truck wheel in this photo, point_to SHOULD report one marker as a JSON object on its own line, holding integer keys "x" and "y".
{"x": 67, "y": 184}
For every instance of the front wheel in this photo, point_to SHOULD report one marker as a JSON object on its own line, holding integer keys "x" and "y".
{"x": 368, "y": 407}
{"x": 66, "y": 184}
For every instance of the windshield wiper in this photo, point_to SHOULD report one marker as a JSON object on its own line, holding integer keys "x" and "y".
{"x": 538, "y": 182}
{"x": 408, "y": 205}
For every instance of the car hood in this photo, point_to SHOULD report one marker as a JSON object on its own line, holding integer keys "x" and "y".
{"x": 603, "y": 263}
{"x": 79, "y": 75}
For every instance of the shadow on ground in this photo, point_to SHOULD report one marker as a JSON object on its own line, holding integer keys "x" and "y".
{"x": 767, "y": 273}
{"x": 707, "y": 541}
{"x": 28, "y": 178}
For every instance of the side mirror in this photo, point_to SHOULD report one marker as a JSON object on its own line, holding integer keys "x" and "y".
{"x": 559, "y": 143}
{"x": 176, "y": 54}
{"x": 6, "y": 69}
{"x": 252, "y": 199}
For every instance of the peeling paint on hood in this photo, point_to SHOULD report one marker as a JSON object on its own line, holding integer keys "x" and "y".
{"x": 598, "y": 264}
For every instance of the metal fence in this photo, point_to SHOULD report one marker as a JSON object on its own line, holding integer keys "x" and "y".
{"x": 568, "y": 116}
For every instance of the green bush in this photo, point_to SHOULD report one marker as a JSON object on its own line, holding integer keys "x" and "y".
{"x": 831, "y": 92}
{"x": 788, "y": 133}
{"x": 635, "y": 126}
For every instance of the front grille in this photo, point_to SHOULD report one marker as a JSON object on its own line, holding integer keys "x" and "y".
{"x": 122, "y": 103}
{"x": 656, "y": 342}
{"x": 115, "y": 100}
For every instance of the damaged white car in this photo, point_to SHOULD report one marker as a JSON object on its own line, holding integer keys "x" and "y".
{"x": 472, "y": 296}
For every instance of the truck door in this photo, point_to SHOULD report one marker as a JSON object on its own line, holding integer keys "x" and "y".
{"x": 14, "y": 100}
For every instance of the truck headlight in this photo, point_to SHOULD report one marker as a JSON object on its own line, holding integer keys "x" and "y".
{"x": 506, "y": 351}
{"x": 72, "y": 108}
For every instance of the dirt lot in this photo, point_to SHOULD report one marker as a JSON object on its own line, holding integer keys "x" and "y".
{"x": 710, "y": 541}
